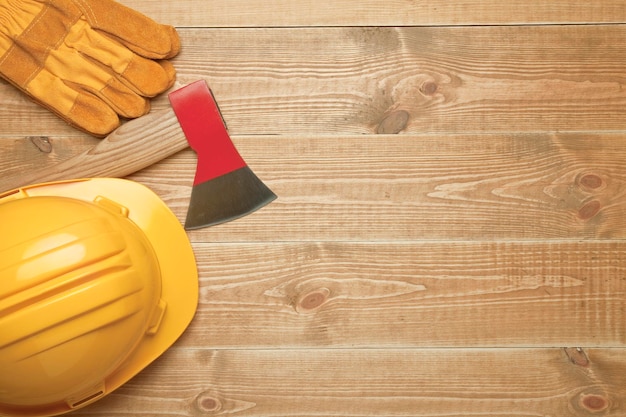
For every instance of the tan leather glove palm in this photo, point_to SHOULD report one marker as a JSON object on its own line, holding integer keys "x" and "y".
{"x": 86, "y": 60}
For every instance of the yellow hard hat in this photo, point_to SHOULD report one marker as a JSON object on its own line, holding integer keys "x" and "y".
{"x": 97, "y": 279}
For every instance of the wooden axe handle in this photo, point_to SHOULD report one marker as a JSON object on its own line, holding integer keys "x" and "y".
{"x": 135, "y": 145}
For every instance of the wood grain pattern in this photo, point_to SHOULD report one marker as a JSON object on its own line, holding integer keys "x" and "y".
{"x": 406, "y": 187}
{"x": 281, "y": 13}
{"x": 326, "y": 81}
{"x": 450, "y": 294}
{"x": 449, "y": 237}
{"x": 442, "y": 80}
{"x": 423, "y": 382}
{"x": 423, "y": 187}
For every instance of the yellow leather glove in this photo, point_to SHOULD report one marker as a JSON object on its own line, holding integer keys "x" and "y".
{"x": 86, "y": 60}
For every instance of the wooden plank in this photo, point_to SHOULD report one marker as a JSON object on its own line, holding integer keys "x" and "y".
{"x": 403, "y": 187}
{"x": 21, "y": 117}
{"x": 381, "y": 188}
{"x": 422, "y": 294}
{"x": 280, "y": 13}
{"x": 418, "y": 80}
{"x": 323, "y": 81}
{"x": 27, "y": 153}
{"x": 456, "y": 382}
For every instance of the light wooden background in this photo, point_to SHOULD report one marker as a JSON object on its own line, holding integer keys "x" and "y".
{"x": 449, "y": 234}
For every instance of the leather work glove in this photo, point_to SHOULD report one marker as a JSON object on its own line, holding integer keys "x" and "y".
{"x": 89, "y": 61}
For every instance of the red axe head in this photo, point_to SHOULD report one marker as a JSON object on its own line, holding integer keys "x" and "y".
{"x": 224, "y": 187}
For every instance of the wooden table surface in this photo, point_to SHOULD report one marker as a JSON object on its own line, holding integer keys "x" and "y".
{"x": 449, "y": 237}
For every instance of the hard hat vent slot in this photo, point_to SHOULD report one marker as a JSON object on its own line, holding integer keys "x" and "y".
{"x": 111, "y": 206}
{"x": 16, "y": 193}
{"x": 87, "y": 399}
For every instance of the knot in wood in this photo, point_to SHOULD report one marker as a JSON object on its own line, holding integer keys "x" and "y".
{"x": 312, "y": 300}
{"x": 591, "y": 182}
{"x": 577, "y": 356}
{"x": 589, "y": 210}
{"x": 429, "y": 88}
{"x": 42, "y": 143}
{"x": 594, "y": 403}
{"x": 208, "y": 403}
{"x": 394, "y": 122}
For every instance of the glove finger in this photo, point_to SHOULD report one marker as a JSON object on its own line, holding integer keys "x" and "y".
{"x": 76, "y": 107}
{"x": 149, "y": 77}
{"x": 123, "y": 100}
{"x": 137, "y": 32}
{"x": 83, "y": 74}
{"x": 144, "y": 76}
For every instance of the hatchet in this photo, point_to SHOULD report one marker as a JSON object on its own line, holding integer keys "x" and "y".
{"x": 224, "y": 187}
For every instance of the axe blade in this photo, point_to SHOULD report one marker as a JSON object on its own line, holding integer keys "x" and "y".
{"x": 224, "y": 188}
{"x": 226, "y": 198}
